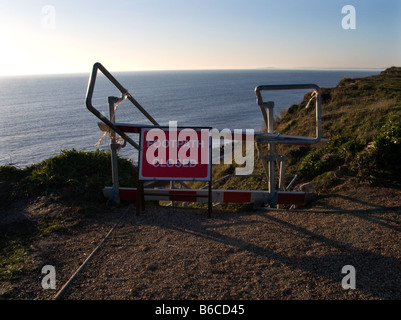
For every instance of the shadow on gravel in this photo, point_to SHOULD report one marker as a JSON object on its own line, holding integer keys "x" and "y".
{"x": 369, "y": 213}
{"x": 376, "y": 274}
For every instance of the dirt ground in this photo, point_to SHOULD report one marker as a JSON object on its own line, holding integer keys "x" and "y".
{"x": 179, "y": 253}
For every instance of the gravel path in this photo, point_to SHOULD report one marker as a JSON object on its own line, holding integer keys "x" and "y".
{"x": 178, "y": 253}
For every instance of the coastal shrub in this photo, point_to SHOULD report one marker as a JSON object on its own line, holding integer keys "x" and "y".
{"x": 71, "y": 175}
{"x": 381, "y": 157}
{"x": 315, "y": 164}
{"x": 296, "y": 154}
{"x": 338, "y": 151}
{"x": 362, "y": 118}
{"x": 388, "y": 144}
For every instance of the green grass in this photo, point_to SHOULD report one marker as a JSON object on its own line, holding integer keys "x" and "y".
{"x": 15, "y": 244}
{"x": 362, "y": 120}
{"x": 47, "y": 226}
{"x": 77, "y": 175}
{"x": 73, "y": 177}
{"x": 11, "y": 260}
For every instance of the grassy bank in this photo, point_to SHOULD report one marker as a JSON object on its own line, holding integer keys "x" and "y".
{"x": 71, "y": 175}
{"x": 362, "y": 121}
{"x": 71, "y": 181}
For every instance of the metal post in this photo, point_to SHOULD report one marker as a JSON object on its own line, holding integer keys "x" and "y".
{"x": 209, "y": 200}
{"x": 272, "y": 147}
{"x": 113, "y": 148}
{"x": 281, "y": 177}
{"x": 172, "y": 186}
{"x": 281, "y": 185}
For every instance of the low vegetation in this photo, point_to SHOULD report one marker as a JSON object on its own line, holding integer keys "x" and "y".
{"x": 362, "y": 121}
{"x": 71, "y": 175}
{"x": 72, "y": 178}
{"x": 361, "y": 118}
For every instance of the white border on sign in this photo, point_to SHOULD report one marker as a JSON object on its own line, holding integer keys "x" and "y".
{"x": 140, "y": 155}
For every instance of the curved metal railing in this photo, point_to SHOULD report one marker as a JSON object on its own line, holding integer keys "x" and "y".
{"x": 283, "y": 139}
{"x": 124, "y": 95}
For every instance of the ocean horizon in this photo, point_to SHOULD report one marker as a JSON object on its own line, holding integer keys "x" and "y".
{"x": 44, "y": 114}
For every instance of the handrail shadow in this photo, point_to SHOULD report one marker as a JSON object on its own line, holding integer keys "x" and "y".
{"x": 367, "y": 214}
{"x": 373, "y": 268}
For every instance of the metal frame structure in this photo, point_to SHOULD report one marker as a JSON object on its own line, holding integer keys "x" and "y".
{"x": 272, "y": 139}
{"x": 272, "y": 196}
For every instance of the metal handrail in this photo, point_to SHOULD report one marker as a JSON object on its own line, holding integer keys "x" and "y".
{"x": 316, "y": 88}
{"x": 124, "y": 94}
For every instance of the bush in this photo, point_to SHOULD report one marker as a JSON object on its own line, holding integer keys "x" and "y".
{"x": 388, "y": 145}
{"x": 338, "y": 151}
{"x": 314, "y": 164}
{"x": 71, "y": 175}
{"x": 382, "y": 155}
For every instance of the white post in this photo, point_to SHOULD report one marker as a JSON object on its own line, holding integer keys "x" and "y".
{"x": 113, "y": 148}
{"x": 272, "y": 146}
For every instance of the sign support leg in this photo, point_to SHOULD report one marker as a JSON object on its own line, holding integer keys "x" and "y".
{"x": 209, "y": 204}
{"x": 140, "y": 198}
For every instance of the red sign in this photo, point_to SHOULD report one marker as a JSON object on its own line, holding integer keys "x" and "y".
{"x": 175, "y": 154}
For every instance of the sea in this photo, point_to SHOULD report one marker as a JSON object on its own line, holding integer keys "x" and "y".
{"x": 42, "y": 115}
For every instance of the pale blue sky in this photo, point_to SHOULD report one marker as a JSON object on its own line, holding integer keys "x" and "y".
{"x": 196, "y": 34}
